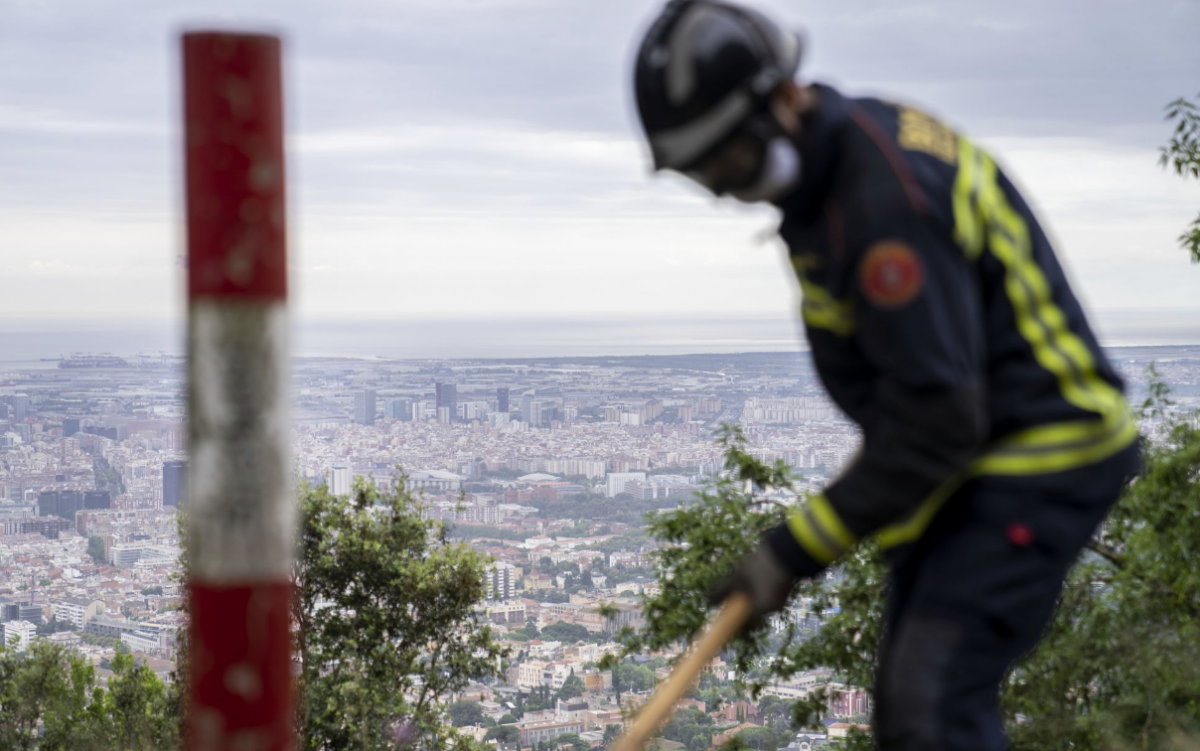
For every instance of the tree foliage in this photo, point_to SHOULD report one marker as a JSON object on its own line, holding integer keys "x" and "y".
{"x": 386, "y": 619}
{"x": 572, "y": 687}
{"x": 95, "y": 549}
{"x": 1182, "y": 154}
{"x": 465, "y": 712}
{"x": 691, "y": 727}
{"x": 1113, "y": 671}
{"x": 568, "y": 633}
{"x": 1118, "y": 666}
{"x": 50, "y": 700}
{"x": 503, "y": 734}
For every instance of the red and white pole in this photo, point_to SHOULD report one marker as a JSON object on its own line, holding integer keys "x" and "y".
{"x": 241, "y": 511}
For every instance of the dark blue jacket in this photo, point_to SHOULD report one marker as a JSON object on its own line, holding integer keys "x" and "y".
{"x": 939, "y": 320}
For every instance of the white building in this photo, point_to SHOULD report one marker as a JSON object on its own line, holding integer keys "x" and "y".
{"x": 340, "y": 478}
{"x": 22, "y": 631}
{"x": 617, "y": 481}
{"x": 123, "y": 555}
{"x": 501, "y": 580}
{"x": 435, "y": 481}
{"x": 555, "y": 674}
{"x": 530, "y": 674}
{"x": 541, "y": 731}
{"x": 77, "y": 612}
{"x": 473, "y": 410}
{"x": 139, "y": 641}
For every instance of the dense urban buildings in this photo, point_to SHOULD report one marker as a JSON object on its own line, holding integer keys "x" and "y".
{"x": 553, "y": 486}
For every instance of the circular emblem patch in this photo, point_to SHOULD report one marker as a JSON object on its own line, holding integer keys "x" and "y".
{"x": 890, "y": 274}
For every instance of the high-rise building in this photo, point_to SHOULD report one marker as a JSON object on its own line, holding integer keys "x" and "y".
{"x": 364, "y": 407}
{"x": 473, "y": 410}
{"x": 70, "y": 426}
{"x": 526, "y": 403}
{"x": 97, "y": 499}
{"x": 397, "y": 409}
{"x": 534, "y": 412}
{"x": 340, "y": 478}
{"x": 500, "y": 581}
{"x": 447, "y": 396}
{"x": 502, "y": 399}
{"x": 48, "y": 503}
{"x": 174, "y": 483}
{"x": 69, "y": 501}
{"x": 618, "y": 480}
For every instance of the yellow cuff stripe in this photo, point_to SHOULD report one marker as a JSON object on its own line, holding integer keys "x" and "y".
{"x": 820, "y": 531}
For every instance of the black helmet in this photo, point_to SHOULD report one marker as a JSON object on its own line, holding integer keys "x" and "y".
{"x": 703, "y": 70}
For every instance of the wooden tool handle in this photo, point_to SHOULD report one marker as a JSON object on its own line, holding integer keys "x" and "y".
{"x": 733, "y": 615}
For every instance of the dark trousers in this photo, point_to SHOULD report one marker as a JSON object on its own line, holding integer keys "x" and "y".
{"x": 974, "y": 593}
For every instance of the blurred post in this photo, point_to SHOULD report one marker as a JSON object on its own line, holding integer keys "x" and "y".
{"x": 241, "y": 511}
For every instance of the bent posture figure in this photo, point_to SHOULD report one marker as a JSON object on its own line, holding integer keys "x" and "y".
{"x": 995, "y": 433}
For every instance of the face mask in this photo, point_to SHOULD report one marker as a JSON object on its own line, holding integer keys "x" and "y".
{"x": 779, "y": 176}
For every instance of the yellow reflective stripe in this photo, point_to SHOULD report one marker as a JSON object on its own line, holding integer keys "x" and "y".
{"x": 1041, "y": 450}
{"x": 914, "y": 526}
{"x": 821, "y": 310}
{"x": 968, "y": 225}
{"x": 1036, "y": 461}
{"x": 830, "y": 522}
{"x": 808, "y": 539}
{"x": 1056, "y": 435}
{"x": 1042, "y": 323}
{"x": 819, "y": 530}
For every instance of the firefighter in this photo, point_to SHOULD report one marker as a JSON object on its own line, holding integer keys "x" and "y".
{"x": 995, "y": 432}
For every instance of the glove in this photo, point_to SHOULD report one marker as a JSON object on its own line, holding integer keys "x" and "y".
{"x": 764, "y": 578}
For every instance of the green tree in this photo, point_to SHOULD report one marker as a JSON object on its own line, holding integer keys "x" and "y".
{"x": 574, "y": 741}
{"x": 95, "y": 549}
{"x": 387, "y": 620}
{"x": 1111, "y": 671}
{"x": 528, "y": 632}
{"x": 762, "y": 739}
{"x": 1182, "y": 154}
{"x": 572, "y": 687}
{"x": 50, "y": 701}
{"x": 139, "y": 707}
{"x": 611, "y": 662}
{"x": 611, "y": 734}
{"x": 465, "y": 712}
{"x": 53, "y": 627}
{"x": 565, "y": 632}
{"x": 634, "y": 677}
{"x": 503, "y": 734}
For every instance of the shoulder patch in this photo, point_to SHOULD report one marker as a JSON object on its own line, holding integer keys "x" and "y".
{"x": 918, "y": 131}
{"x": 890, "y": 274}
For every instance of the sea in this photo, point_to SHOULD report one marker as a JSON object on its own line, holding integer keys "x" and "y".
{"x": 33, "y": 343}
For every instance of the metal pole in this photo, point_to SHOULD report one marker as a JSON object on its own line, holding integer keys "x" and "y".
{"x": 241, "y": 512}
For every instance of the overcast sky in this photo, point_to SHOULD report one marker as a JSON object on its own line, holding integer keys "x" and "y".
{"x": 480, "y": 156}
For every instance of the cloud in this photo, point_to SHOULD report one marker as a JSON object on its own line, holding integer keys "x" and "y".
{"x": 462, "y": 156}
